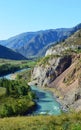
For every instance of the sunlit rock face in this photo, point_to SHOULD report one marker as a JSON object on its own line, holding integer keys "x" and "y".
{"x": 43, "y": 75}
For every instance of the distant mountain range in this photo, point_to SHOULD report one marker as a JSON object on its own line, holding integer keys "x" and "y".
{"x": 7, "y": 53}
{"x": 31, "y": 44}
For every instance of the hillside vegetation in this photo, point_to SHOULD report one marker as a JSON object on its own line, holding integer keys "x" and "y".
{"x": 10, "y": 66}
{"x": 63, "y": 122}
{"x": 7, "y": 53}
{"x": 17, "y": 98}
{"x": 71, "y": 45}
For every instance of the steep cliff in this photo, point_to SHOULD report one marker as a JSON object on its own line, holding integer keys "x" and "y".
{"x": 49, "y": 68}
{"x": 60, "y": 70}
{"x": 69, "y": 85}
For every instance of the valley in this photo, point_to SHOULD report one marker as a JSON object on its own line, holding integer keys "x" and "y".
{"x": 69, "y": 120}
{"x": 40, "y": 65}
{"x": 16, "y": 97}
{"x": 47, "y": 87}
{"x": 44, "y": 98}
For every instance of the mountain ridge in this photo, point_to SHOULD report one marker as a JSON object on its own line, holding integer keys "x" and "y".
{"x": 32, "y": 43}
{"x": 7, "y": 53}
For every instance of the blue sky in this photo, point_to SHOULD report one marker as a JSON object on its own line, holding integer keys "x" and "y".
{"x": 18, "y": 16}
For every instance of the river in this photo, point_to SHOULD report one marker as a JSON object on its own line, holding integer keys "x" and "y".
{"x": 46, "y": 102}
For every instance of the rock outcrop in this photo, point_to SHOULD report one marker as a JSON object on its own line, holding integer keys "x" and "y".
{"x": 45, "y": 74}
{"x": 69, "y": 85}
{"x": 61, "y": 69}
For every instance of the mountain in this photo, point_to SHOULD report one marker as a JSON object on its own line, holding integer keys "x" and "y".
{"x": 7, "y": 53}
{"x": 60, "y": 70}
{"x": 36, "y": 43}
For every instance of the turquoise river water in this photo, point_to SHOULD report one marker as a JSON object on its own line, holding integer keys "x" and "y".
{"x": 46, "y": 102}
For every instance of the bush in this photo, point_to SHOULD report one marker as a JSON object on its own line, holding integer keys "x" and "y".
{"x": 18, "y": 99}
{"x": 15, "y": 88}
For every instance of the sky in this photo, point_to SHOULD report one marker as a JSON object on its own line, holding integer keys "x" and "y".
{"x": 18, "y": 16}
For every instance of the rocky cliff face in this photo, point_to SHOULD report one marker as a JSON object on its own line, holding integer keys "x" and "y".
{"x": 45, "y": 74}
{"x": 62, "y": 73}
{"x": 61, "y": 69}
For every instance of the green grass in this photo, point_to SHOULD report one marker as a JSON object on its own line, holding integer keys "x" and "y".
{"x": 26, "y": 75}
{"x": 10, "y": 66}
{"x": 21, "y": 63}
{"x": 62, "y": 122}
{"x": 4, "y": 61}
{"x": 31, "y": 64}
{"x": 2, "y": 91}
